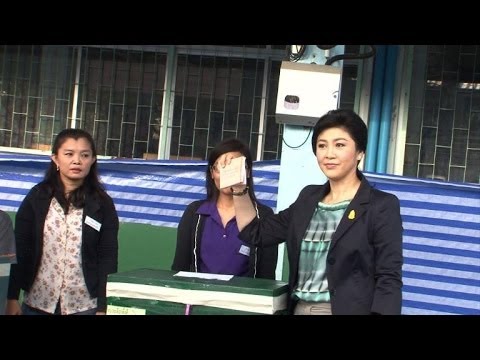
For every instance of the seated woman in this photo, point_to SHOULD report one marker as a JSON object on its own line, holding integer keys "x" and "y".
{"x": 207, "y": 236}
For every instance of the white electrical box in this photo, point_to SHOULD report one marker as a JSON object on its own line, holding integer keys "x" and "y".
{"x": 306, "y": 92}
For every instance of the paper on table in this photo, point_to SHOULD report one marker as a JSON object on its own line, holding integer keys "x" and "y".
{"x": 204, "y": 275}
{"x": 234, "y": 173}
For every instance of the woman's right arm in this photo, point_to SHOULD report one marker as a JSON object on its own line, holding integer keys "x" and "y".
{"x": 271, "y": 229}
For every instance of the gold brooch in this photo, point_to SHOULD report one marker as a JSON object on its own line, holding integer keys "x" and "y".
{"x": 351, "y": 215}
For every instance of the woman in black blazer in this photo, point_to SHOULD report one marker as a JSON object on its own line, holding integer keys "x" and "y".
{"x": 344, "y": 238}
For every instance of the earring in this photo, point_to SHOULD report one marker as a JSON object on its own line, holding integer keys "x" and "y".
{"x": 58, "y": 168}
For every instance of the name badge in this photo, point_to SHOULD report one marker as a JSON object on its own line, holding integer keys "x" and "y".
{"x": 93, "y": 223}
{"x": 244, "y": 250}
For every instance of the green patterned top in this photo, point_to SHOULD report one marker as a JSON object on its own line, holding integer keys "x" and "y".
{"x": 312, "y": 280}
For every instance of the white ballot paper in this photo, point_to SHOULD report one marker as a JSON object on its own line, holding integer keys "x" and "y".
{"x": 234, "y": 173}
{"x": 204, "y": 275}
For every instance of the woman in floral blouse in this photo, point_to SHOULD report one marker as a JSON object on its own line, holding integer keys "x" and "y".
{"x": 66, "y": 236}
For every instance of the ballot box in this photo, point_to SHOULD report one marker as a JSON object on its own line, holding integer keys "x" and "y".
{"x": 164, "y": 292}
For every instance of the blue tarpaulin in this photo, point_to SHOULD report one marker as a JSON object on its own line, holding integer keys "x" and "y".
{"x": 441, "y": 220}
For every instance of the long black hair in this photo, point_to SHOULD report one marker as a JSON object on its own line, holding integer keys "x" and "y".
{"x": 91, "y": 183}
{"x": 229, "y": 145}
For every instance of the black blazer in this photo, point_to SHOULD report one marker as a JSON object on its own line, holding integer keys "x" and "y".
{"x": 364, "y": 262}
{"x": 262, "y": 262}
{"x": 99, "y": 248}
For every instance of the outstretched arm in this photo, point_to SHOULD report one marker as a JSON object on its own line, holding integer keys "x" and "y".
{"x": 244, "y": 210}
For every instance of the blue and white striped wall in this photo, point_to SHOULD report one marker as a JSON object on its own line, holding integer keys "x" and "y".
{"x": 441, "y": 221}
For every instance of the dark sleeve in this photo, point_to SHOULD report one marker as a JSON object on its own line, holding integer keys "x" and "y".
{"x": 387, "y": 242}
{"x": 267, "y": 256}
{"x": 267, "y": 262}
{"x": 183, "y": 251}
{"x": 272, "y": 229}
{"x": 24, "y": 238}
{"x": 107, "y": 251}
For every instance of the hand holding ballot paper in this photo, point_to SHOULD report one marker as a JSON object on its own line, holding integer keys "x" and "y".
{"x": 233, "y": 173}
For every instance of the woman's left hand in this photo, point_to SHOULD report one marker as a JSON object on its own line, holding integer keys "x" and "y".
{"x": 225, "y": 159}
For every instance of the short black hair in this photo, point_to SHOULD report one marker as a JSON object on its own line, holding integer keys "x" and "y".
{"x": 346, "y": 119}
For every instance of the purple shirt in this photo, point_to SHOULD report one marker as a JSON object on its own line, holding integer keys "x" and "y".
{"x": 221, "y": 251}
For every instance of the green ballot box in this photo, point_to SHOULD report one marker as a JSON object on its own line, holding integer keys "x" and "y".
{"x": 164, "y": 292}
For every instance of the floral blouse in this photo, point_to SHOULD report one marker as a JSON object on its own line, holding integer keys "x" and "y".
{"x": 60, "y": 276}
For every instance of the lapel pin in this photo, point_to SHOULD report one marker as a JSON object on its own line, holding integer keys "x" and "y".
{"x": 351, "y": 215}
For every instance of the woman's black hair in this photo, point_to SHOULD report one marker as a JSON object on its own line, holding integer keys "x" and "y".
{"x": 228, "y": 145}
{"x": 91, "y": 183}
{"x": 347, "y": 120}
